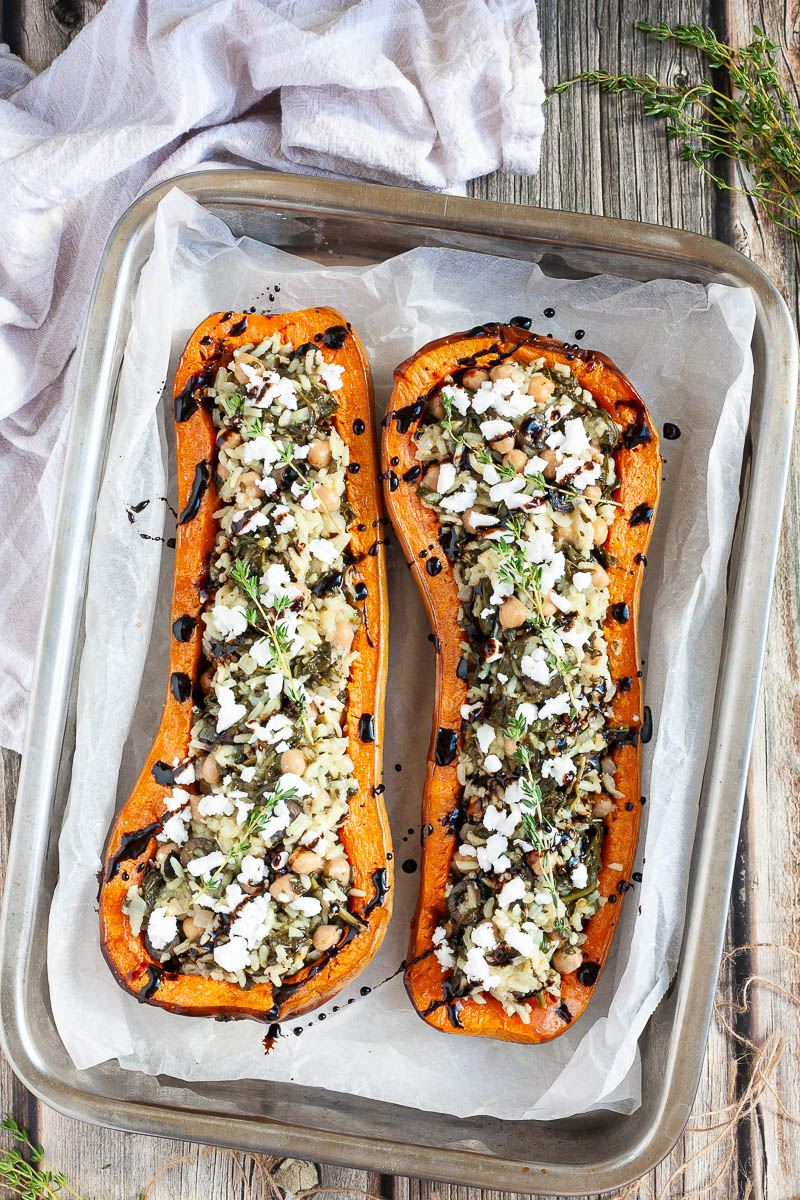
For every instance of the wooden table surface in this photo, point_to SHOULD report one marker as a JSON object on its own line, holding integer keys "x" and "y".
{"x": 597, "y": 157}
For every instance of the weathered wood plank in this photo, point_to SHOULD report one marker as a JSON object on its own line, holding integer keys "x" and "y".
{"x": 768, "y": 1142}
{"x": 597, "y": 157}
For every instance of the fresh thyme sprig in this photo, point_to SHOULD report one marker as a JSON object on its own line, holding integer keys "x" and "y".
{"x": 253, "y": 826}
{"x": 33, "y": 1178}
{"x": 756, "y": 125}
{"x": 526, "y": 578}
{"x": 255, "y": 428}
{"x": 275, "y": 632}
{"x": 533, "y": 818}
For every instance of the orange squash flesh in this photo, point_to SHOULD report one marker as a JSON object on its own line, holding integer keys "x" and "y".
{"x": 417, "y": 527}
{"x": 365, "y": 834}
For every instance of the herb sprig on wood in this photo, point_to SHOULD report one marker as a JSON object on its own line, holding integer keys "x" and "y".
{"x": 753, "y": 122}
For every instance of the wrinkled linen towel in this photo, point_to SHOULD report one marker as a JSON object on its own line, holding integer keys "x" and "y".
{"x": 421, "y": 92}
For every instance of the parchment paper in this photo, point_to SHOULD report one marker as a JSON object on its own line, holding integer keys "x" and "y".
{"x": 686, "y": 348}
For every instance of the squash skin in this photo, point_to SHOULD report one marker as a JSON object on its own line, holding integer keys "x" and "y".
{"x": 365, "y": 834}
{"x": 639, "y": 469}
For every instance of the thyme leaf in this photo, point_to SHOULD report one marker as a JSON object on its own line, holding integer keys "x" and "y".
{"x": 752, "y": 123}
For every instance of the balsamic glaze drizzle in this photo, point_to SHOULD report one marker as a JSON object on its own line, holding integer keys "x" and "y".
{"x": 201, "y": 476}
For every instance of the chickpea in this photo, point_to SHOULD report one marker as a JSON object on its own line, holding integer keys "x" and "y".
{"x": 251, "y": 361}
{"x": 504, "y": 445}
{"x": 550, "y": 458}
{"x": 541, "y": 388}
{"x": 431, "y": 477}
{"x": 293, "y": 762}
{"x": 603, "y": 805}
{"x": 599, "y": 530}
{"x": 248, "y": 483}
{"x": 516, "y": 459}
{"x": 191, "y": 929}
{"x": 593, "y": 492}
{"x": 509, "y": 747}
{"x": 194, "y": 805}
{"x": 337, "y": 869}
{"x": 319, "y": 453}
{"x": 281, "y": 889}
{"x": 436, "y": 407}
{"x": 305, "y": 862}
{"x": 566, "y": 961}
{"x": 513, "y": 613}
{"x": 205, "y": 680}
{"x": 325, "y": 937}
{"x": 599, "y": 577}
{"x": 327, "y": 498}
{"x": 474, "y": 378}
{"x": 467, "y": 519}
{"x": 166, "y": 851}
{"x": 549, "y": 609}
{"x": 210, "y": 770}
{"x": 343, "y": 634}
{"x": 539, "y": 863}
{"x": 228, "y": 440}
{"x": 504, "y": 370}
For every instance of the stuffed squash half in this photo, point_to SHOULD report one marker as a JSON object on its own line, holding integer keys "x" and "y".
{"x": 249, "y": 872}
{"x": 522, "y": 476}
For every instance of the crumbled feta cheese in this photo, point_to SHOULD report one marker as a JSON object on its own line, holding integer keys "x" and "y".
{"x": 206, "y": 864}
{"x": 581, "y": 580}
{"x": 560, "y": 768}
{"x": 230, "y": 622}
{"x": 260, "y": 449}
{"x": 162, "y": 927}
{"x": 504, "y": 490}
{"x": 492, "y": 857}
{"x": 247, "y": 774}
{"x": 174, "y": 830}
{"x": 461, "y": 500}
{"x": 177, "y": 798}
{"x": 284, "y": 521}
{"x": 279, "y": 819}
{"x": 483, "y": 935}
{"x": 308, "y": 905}
{"x": 485, "y": 735}
{"x": 477, "y": 970}
{"x": 535, "y": 667}
{"x": 517, "y": 940}
{"x": 278, "y": 726}
{"x": 447, "y": 477}
{"x": 492, "y": 430}
{"x": 215, "y": 805}
{"x": 575, "y": 439}
{"x": 229, "y": 711}
{"x": 580, "y": 876}
{"x": 458, "y": 397}
{"x": 323, "y": 550}
{"x": 444, "y": 956}
{"x": 186, "y": 774}
{"x": 499, "y": 820}
{"x": 492, "y": 763}
{"x": 252, "y": 869}
{"x": 556, "y": 706}
{"x": 527, "y": 712}
{"x": 552, "y": 571}
{"x": 331, "y": 375}
{"x": 252, "y": 921}
{"x": 232, "y": 955}
{"x": 482, "y": 520}
{"x": 510, "y": 892}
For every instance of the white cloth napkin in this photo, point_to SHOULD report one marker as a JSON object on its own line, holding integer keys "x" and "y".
{"x": 421, "y": 92}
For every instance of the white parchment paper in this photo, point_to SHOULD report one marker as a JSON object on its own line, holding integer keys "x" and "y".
{"x": 686, "y": 348}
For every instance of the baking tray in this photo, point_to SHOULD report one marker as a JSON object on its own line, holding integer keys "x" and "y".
{"x": 591, "y": 1153}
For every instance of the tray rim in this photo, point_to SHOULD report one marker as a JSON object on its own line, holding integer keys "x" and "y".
{"x": 748, "y": 607}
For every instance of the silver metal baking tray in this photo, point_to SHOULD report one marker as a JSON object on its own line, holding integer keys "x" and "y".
{"x": 592, "y": 1153}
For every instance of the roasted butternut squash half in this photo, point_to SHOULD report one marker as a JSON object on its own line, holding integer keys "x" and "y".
{"x": 249, "y": 873}
{"x": 522, "y": 476}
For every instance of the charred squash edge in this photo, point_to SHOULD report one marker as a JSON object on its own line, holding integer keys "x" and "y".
{"x": 639, "y": 471}
{"x": 365, "y": 834}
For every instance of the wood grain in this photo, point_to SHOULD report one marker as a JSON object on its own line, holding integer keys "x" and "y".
{"x": 600, "y": 157}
